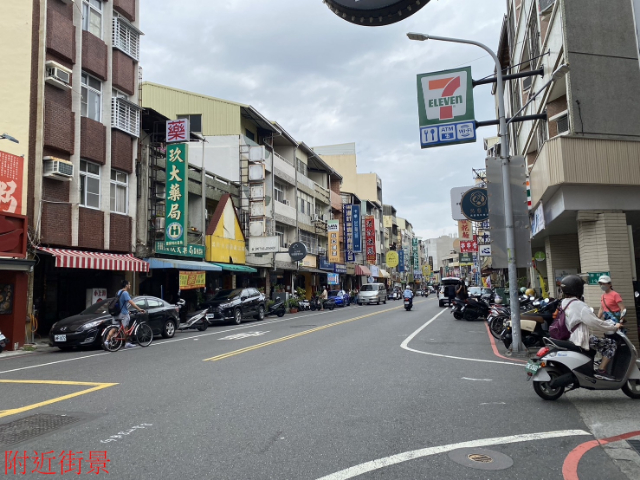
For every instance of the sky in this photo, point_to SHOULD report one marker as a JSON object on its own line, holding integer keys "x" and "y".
{"x": 327, "y": 81}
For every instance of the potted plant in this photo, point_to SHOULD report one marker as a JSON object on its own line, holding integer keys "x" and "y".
{"x": 302, "y": 293}
{"x": 293, "y": 305}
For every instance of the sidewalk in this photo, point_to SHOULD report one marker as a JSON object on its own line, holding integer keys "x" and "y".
{"x": 31, "y": 348}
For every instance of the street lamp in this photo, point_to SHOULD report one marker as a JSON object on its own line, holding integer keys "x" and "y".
{"x": 6, "y": 136}
{"x": 506, "y": 184}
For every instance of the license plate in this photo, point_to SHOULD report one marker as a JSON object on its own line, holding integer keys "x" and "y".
{"x": 407, "y": 302}
{"x": 210, "y": 316}
{"x": 60, "y": 338}
{"x": 532, "y": 367}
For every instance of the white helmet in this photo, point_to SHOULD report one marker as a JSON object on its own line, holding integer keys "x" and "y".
{"x": 498, "y": 299}
{"x": 604, "y": 279}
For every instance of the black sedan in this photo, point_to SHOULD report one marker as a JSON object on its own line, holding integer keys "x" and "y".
{"x": 85, "y": 328}
{"x": 234, "y": 305}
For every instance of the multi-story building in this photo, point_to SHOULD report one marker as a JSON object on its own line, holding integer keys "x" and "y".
{"x": 80, "y": 147}
{"x": 584, "y": 162}
{"x": 436, "y": 249}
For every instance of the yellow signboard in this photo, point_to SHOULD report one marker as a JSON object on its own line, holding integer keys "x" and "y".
{"x": 225, "y": 241}
{"x": 426, "y": 271}
{"x": 192, "y": 280}
{"x": 387, "y": 221}
{"x": 392, "y": 259}
{"x": 310, "y": 261}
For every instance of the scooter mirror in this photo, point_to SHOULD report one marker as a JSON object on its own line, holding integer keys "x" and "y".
{"x": 546, "y": 300}
{"x": 532, "y": 298}
{"x": 637, "y": 294}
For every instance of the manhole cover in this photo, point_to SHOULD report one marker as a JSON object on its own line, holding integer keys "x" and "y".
{"x": 481, "y": 459}
{"x": 478, "y": 457}
{"x": 26, "y": 428}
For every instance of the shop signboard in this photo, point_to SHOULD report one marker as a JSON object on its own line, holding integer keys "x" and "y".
{"x": 475, "y": 204}
{"x": 416, "y": 256}
{"x": 177, "y": 130}
{"x": 333, "y": 230}
{"x": 392, "y": 259}
{"x": 310, "y": 261}
{"x": 357, "y": 229}
{"x": 297, "y": 251}
{"x": 177, "y": 194}
{"x": 325, "y": 264}
{"x": 400, "y": 261}
{"x": 95, "y": 295}
{"x": 11, "y": 183}
{"x": 468, "y": 246}
{"x": 193, "y": 251}
{"x": 484, "y": 237}
{"x": 370, "y": 238}
{"x": 13, "y": 235}
{"x": 258, "y": 245}
{"x": 456, "y": 201}
{"x": 192, "y": 280}
{"x": 333, "y": 279}
{"x": 339, "y": 268}
{"x": 465, "y": 259}
{"x": 537, "y": 221}
{"x": 445, "y": 108}
{"x": 464, "y": 230}
{"x": 348, "y": 221}
{"x": 594, "y": 276}
{"x": 485, "y": 250}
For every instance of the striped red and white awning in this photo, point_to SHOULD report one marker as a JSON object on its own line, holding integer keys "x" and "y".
{"x": 96, "y": 260}
{"x": 362, "y": 270}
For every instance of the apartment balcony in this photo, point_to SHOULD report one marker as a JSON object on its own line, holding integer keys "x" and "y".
{"x": 284, "y": 170}
{"x": 306, "y": 185}
{"x": 322, "y": 193}
{"x": 284, "y": 213}
{"x": 588, "y": 163}
{"x": 336, "y": 200}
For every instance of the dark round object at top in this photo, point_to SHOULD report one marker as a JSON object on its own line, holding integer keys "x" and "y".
{"x": 374, "y": 13}
{"x": 572, "y": 286}
{"x": 297, "y": 251}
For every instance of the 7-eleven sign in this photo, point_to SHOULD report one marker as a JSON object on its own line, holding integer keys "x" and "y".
{"x": 445, "y": 107}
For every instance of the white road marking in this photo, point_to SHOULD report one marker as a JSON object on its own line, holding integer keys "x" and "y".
{"x": 380, "y": 463}
{"x": 413, "y": 335}
{"x": 478, "y": 379}
{"x": 493, "y": 403}
{"x": 53, "y": 363}
{"x": 240, "y": 336}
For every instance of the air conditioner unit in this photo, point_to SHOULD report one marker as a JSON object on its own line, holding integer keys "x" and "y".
{"x": 563, "y": 124}
{"x": 58, "y": 75}
{"x": 286, "y": 202}
{"x": 526, "y": 83}
{"x": 160, "y": 190}
{"x": 315, "y": 218}
{"x": 58, "y": 169}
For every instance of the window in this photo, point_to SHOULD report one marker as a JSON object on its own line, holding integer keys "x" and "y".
{"x": 280, "y": 233}
{"x": 195, "y": 122}
{"x": 125, "y": 115}
{"x": 119, "y": 191}
{"x": 562, "y": 122}
{"x": 91, "y": 97}
{"x": 153, "y": 303}
{"x": 542, "y": 134}
{"x": 89, "y": 184}
{"x": 92, "y": 17}
{"x": 534, "y": 41}
{"x": 302, "y": 167}
{"x": 278, "y": 189}
{"x": 310, "y": 240}
{"x": 249, "y": 134}
{"x": 305, "y": 203}
{"x": 126, "y": 37}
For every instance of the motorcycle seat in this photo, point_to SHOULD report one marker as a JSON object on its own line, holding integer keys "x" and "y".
{"x": 535, "y": 318}
{"x": 567, "y": 345}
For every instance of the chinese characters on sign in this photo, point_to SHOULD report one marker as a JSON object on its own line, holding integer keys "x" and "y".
{"x": 192, "y": 280}
{"x": 416, "y": 256}
{"x": 468, "y": 246}
{"x": 484, "y": 237}
{"x": 333, "y": 230}
{"x": 177, "y": 195}
{"x": 11, "y": 183}
{"x": 464, "y": 230}
{"x": 475, "y": 204}
{"x": 195, "y": 251}
{"x": 370, "y": 238}
{"x": 400, "y": 261}
{"x": 50, "y": 463}
{"x": 357, "y": 229}
{"x": 178, "y": 130}
{"x": 349, "y": 222}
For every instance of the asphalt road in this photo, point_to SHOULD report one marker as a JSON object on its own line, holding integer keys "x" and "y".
{"x": 362, "y": 392}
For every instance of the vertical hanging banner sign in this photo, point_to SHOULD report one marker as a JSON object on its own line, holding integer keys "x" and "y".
{"x": 401, "y": 260}
{"x": 464, "y": 230}
{"x": 370, "y": 238}
{"x": 11, "y": 183}
{"x": 416, "y": 256}
{"x": 333, "y": 229}
{"x": 177, "y": 195}
{"x": 357, "y": 229}
{"x": 347, "y": 219}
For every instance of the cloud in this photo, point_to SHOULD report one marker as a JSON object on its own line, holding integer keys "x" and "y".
{"x": 327, "y": 81}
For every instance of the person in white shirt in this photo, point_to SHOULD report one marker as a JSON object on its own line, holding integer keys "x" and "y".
{"x": 580, "y": 320}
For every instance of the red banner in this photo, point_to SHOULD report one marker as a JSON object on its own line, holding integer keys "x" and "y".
{"x": 13, "y": 235}
{"x": 469, "y": 246}
{"x": 370, "y": 238}
{"x": 11, "y": 183}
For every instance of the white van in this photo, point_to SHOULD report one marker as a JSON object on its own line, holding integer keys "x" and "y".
{"x": 443, "y": 298}
{"x": 372, "y": 293}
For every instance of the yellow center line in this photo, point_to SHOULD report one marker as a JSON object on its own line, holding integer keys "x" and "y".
{"x": 14, "y": 411}
{"x": 289, "y": 337}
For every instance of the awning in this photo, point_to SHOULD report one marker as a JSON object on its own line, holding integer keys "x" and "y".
{"x": 160, "y": 263}
{"x": 96, "y": 260}
{"x": 384, "y": 274}
{"x": 17, "y": 264}
{"x": 313, "y": 270}
{"x": 362, "y": 270}
{"x": 230, "y": 267}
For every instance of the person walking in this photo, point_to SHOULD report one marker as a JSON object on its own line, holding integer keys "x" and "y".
{"x": 611, "y": 305}
{"x": 323, "y": 296}
{"x": 124, "y": 300}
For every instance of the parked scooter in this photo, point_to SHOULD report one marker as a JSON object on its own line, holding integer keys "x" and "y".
{"x": 198, "y": 321}
{"x": 277, "y": 308}
{"x": 534, "y": 325}
{"x": 562, "y": 365}
{"x": 4, "y": 341}
{"x": 470, "y": 309}
{"x": 329, "y": 303}
{"x": 304, "y": 304}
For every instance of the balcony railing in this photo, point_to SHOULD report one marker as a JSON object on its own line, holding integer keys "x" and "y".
{"x": 285, "y": 210}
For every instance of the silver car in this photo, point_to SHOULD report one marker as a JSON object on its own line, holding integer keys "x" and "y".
{"x": 372, "y": 293}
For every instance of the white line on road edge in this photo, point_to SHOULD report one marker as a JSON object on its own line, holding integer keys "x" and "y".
{"x": 357, "y": 470}
{"x": 478, "y": 379}
{"x": 413, "y": 335}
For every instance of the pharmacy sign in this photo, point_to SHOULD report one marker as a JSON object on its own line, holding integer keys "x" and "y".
{"x": 445, "y": 108}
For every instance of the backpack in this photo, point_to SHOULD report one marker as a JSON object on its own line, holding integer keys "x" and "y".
{"x": 114, "y": 306}
{"x": 558, "y": 329}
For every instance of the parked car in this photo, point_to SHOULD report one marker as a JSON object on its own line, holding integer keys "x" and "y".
{"x": 85, "y": 328}
{"x": 341, "y": 300}
{"x": 446, "y": 282}
{"x": 235, "y": 305}
{"x": 372, "y": 293}
{"x": 477, "y": 292}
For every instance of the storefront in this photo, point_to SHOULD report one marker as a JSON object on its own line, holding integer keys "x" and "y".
{"x": 66, "y": 281}
{"x": 362, "y": 275}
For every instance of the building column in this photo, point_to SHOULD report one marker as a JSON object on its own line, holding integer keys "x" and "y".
{"x": 562, "y": 257}
{"x": 604, "y": 247}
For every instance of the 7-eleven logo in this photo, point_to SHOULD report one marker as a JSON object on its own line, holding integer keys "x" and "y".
{"x": 445, "y": 96}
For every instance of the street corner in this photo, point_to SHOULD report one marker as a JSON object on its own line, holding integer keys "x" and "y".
{"x": 623, "y": 450}
{"x": 48, "y": 392}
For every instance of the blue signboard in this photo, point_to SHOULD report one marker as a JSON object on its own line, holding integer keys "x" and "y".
{"x": 357, "y": 229}
{"x": 333, "y": 279}
{"x": 347, "y": 216}
{"x": 475, "y": 204}
{"x": 401, "y": 260}
{"x": 325, "y": 264}
{"x": 460, "y": 132}
{"x": 339, "y": 268}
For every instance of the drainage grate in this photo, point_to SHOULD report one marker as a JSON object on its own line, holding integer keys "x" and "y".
{"x": 33, "y": 426}
{"x": 635, "y": 444}
{"x": 480, "y": 458}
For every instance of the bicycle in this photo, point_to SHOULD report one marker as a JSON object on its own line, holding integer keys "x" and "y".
{"x": 140, "y": 332}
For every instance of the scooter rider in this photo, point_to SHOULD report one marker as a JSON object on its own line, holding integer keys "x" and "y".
{"x": 579, "y": 318}
{"x": 408, "y": 293}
